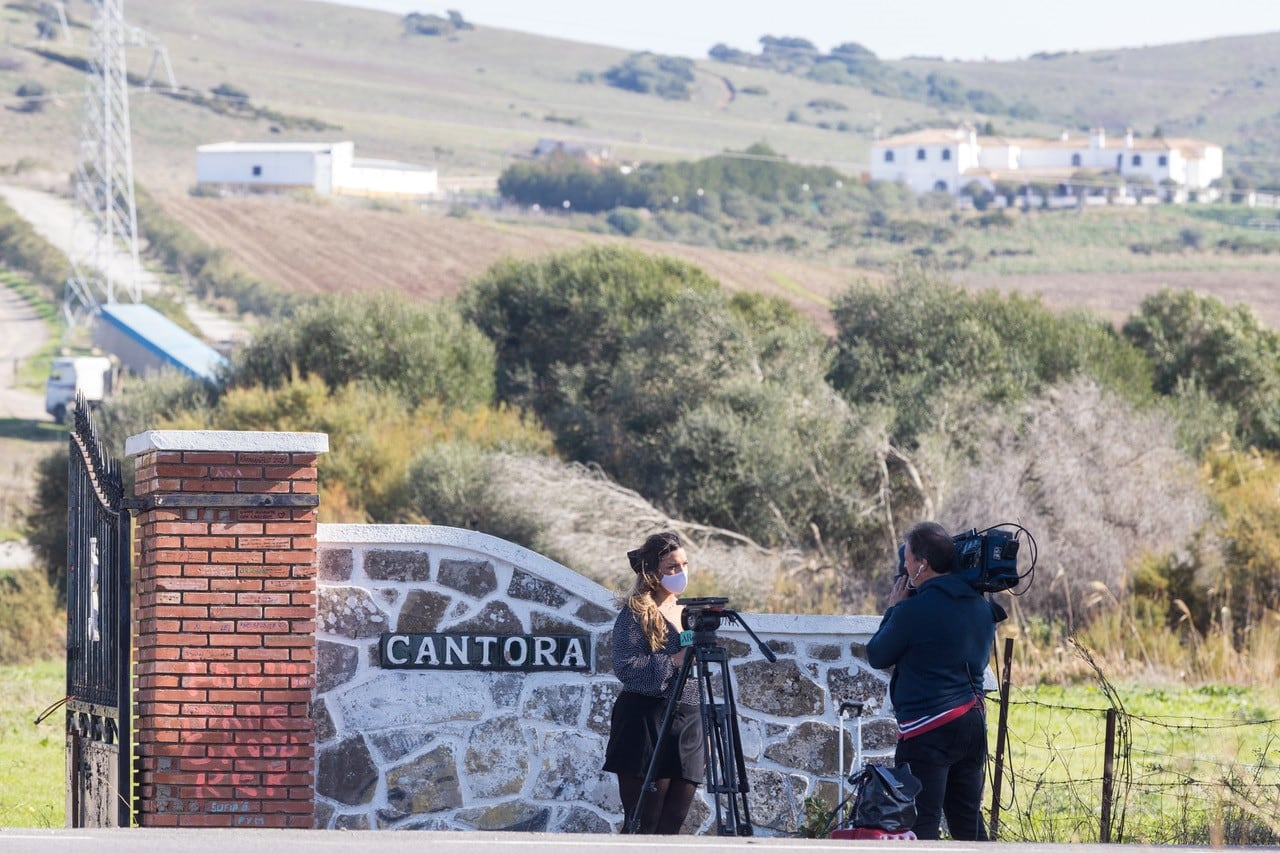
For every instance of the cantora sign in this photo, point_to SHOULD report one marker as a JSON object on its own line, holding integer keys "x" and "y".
{"x": 523, "y": 652}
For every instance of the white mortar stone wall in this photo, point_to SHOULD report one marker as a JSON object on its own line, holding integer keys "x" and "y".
{"x": 447, "y": 749}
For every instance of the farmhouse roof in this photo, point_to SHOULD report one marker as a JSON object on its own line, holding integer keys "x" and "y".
{"x": 931, "y": 136}
{"x": 268, "y": 147}
{"x": 394, "y": 165}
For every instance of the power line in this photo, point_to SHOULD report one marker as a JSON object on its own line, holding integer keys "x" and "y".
{"x": 104, "y": 179}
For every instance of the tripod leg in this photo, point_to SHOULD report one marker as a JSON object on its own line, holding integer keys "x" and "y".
{"x": 726, "y": 769}
{"x": 731, "y": 708}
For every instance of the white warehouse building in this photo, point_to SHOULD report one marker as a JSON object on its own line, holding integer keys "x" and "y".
{"x": 325, "y": 167}
{"x": 949, "y": 159}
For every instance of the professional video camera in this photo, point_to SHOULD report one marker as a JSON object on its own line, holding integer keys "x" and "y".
{"x": 705, "y": 615}
{"x": 988, "y": 559}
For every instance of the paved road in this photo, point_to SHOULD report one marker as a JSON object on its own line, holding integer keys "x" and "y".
{"x": 321, "y": 841}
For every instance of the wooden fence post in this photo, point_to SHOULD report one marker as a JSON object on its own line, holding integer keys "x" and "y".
{"x": 1002, "y": 729}
{"x": 1108, "y": 776}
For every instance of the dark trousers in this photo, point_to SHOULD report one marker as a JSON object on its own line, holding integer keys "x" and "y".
{"x": 951, "y": 763}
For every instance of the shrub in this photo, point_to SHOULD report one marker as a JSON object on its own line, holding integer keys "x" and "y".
{"x": 648, "y": 73}
{"x": 417, "y": 351}
{"x": 570, "y": 312}
{"x": 981, "y": 196}
{"x": 226, "y": 90}
{"x": 457, "y": 484}
{"x": 714, "y": 408}
{"x": 417, "y": 23}
{"x": 1245, "y": 485}
{"x": 625, "y": 220}
{"x": 23, "y": 249}
{"x": 1227, "y": 351}
{"x": 33, "y": 95}
{"x": 373, "y": 437}
{"x": 32, "y": 626}
{"x": 911, "y": 342}
{"x": 1082, "y": 469}
{"x": 44, "y": 524}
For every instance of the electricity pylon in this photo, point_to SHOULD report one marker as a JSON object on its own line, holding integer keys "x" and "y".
{"x": 104, "y": 264}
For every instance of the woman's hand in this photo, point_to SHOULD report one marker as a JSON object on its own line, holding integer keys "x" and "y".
{"x": 677, "y": 660}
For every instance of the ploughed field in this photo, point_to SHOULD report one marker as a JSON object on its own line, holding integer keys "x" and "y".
{"x": 336, "y": 246}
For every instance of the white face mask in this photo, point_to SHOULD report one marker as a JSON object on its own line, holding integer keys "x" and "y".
{"x": 675, "y": 584}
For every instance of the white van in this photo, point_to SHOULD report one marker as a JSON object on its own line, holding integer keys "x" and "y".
{"x": 89, "y": 375}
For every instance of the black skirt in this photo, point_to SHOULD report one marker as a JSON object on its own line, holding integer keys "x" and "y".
{"x": 633, "y": 731}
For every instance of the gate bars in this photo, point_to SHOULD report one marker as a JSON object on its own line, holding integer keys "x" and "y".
{"x": 99, "y": 752}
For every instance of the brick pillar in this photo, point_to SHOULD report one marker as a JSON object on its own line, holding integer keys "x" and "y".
{"x": 225, "y": 610}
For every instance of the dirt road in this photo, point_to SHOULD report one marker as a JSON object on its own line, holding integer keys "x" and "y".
{"x": 21, "y": 334}
{"x": 55, "y": 218}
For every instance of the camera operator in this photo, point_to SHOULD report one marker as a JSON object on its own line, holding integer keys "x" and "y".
{"x": 938, "y": 642}
{"x": 647, "y": 657}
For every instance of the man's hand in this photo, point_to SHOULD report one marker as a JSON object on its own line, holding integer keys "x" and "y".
{"x": 899, "y": 591}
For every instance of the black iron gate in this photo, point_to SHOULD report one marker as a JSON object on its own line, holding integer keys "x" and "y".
{"x": 98, "y": 634}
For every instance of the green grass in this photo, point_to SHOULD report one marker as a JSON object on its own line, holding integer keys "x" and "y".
{"x": 32, "y": 758}
{"x": 40, "y": 432}
{"x": 1184, "y": 745}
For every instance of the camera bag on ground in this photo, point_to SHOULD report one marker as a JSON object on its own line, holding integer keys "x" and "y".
{"x": 885, "y": 798}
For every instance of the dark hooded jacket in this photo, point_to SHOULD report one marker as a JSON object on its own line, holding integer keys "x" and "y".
{"x": 938, "y": 642}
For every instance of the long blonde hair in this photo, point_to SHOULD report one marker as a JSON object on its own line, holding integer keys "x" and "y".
{"x": 641, "y": 603}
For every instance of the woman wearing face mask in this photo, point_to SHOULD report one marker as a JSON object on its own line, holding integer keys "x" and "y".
{"x": 647, "y": 658}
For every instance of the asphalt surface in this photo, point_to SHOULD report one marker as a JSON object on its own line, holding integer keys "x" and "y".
{"x": 320, "y": 841}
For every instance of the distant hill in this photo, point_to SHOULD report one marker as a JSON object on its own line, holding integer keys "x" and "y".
{"x": 473, "y": 98}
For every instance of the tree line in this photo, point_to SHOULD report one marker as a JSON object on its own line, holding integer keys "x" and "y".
{"x": 585, "y": 187}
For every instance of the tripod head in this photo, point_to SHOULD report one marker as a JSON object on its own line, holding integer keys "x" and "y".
{"x": 704, "y": 616}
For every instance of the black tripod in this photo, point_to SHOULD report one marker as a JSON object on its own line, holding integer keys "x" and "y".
{"x": 726, "y": 772}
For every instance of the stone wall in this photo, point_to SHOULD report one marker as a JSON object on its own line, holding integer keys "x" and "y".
{"x": 442, "y": 749}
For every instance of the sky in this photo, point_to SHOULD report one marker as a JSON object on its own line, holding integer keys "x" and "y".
{"x": 892, "y": 29}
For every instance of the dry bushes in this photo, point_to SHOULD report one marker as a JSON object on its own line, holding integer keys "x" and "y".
{"x": 1098, "y": 483}
{"x": 589, "y": 522}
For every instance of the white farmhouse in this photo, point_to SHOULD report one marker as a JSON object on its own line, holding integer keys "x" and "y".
{"x": 949, "y": 159}
{"x": 325, "y": 167}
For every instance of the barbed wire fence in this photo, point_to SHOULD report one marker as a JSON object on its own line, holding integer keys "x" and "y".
{"x": 1100, "y": 773}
